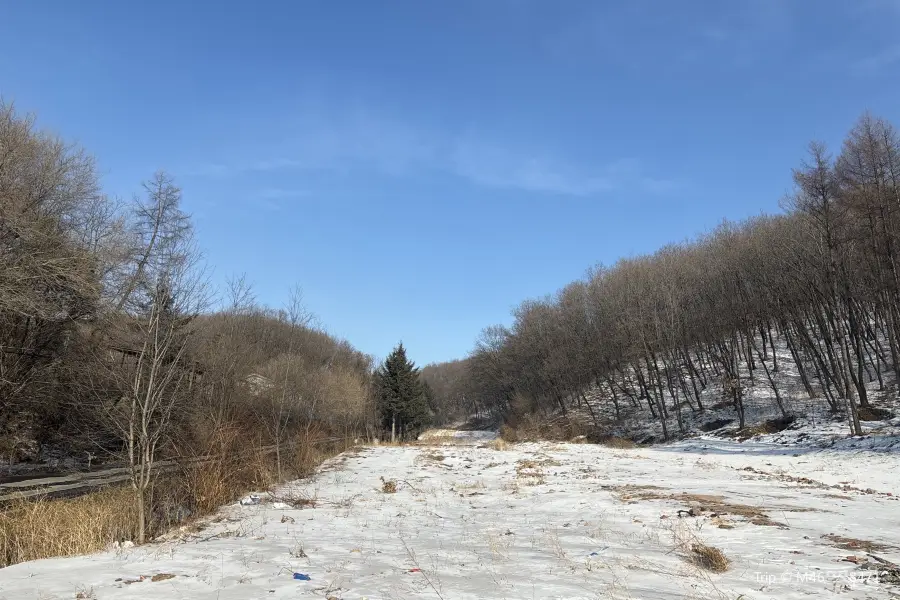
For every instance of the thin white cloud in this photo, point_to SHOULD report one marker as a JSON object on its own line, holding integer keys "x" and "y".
{"x": 494, "y": 166}
{"x": 364, "y": 141}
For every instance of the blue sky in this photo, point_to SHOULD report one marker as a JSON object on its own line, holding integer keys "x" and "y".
{"x": 420, "y": 167}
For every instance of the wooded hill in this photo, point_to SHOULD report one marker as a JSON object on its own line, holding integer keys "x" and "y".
{"x": 821, "y": 278}
{"x": 112, "y": 339}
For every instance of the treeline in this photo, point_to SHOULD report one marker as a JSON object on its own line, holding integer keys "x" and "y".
{"x": 110, "y": 343}
{"x": 821, "y": 279}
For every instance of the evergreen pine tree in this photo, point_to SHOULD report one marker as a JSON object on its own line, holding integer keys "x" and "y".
{"x": 400, "y": 395}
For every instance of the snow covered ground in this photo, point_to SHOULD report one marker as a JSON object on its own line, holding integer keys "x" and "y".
{"x": 540, "y": 520}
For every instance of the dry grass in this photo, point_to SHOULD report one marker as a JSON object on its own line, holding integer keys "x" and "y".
{"x": 695, "y": 551}
{"x": 36, "y": 529}
{"x": 847, "y": 543}
{"x": 770, "y": 426}
{"x": 237, "y": 466}
{"x": 612, "y": 441}
{"x": 528, "y": 463}
{"x": 85, "y": 594}
{"x": 709, "y": 558}
{"x": 705, "y": 504}
{"x": 531, "y": 471}
{"x": 530, "y": 427}
{"x": 430, "y": 456}
{"x": 30, "y": 530}
{"x": 870, "y": 413}
{"x": 498, "y": 444}
{"x": 388, "y": 486}
{"x": 298, "y": 499}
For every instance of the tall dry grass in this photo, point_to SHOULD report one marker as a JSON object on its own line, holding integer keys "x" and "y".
{"x": 33, "y": 529}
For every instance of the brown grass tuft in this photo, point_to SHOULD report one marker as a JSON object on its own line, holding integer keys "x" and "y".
{"x": 532, "y": 472}
{"x": 388, "y": 486}
{"x": 704, "y": 504}
{"x": 709, "y": 557}
{"x": 613, "y": 441}
{"x": 432, "y": 455}
{"x": 498, "y": 444}
{"x": 847, "y": 543}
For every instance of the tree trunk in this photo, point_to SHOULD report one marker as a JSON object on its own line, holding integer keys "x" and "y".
{"x": 591, "y": 410}
{"x": 142, "y": 516}
{"x": 394, "y": 428}
{"x": 278, "y": 458}
{"x": 771, "y": 379}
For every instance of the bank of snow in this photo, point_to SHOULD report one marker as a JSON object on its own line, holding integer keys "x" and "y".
{"x": 534, "y": 521}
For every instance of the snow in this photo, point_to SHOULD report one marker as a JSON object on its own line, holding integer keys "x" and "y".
{"x": 815, "y": 424}
{"x": 539, "y": 520}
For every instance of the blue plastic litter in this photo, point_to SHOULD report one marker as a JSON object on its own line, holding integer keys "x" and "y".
{"x": 302, "y": 577}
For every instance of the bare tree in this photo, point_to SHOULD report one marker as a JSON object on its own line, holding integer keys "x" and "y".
{"x": 158, "y": 229}
{"x": 173, "y": 292}
{"x": 285, "y": 397}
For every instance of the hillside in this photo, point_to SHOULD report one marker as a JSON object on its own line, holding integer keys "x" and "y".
{"x": 796, "y": 416}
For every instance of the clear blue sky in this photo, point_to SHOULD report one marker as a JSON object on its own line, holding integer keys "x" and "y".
{"x": 421, "y": 167}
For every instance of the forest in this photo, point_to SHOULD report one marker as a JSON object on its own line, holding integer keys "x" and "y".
{"x": 820, "y": 279}
{"x": 115, "y": 347}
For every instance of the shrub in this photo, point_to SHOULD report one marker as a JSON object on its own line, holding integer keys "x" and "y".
{"x": 870, "y": 413}
{"x": 709, "y": 557}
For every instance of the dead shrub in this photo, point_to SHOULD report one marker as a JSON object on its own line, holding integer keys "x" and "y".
{"x": 770, "y": 426}
{"x": 511, "y": 434}
{"x": 709, "y": 558}
{"x": 870, "y": 413}
{"x": 34, "y": 529}
{"x": 499, "y": 444}
{"x": 530, "y": 427}
{"x": 214, "y": 471}
{"x": 388, "y": 486}
{"x": 310, "y": 450}
{"x": 714, "y": 425}
{"x": 611, "y": 441}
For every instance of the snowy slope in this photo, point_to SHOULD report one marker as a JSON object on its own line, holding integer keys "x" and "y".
{"x": 533, "y": 521}
{"x": 816, "y": 424}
